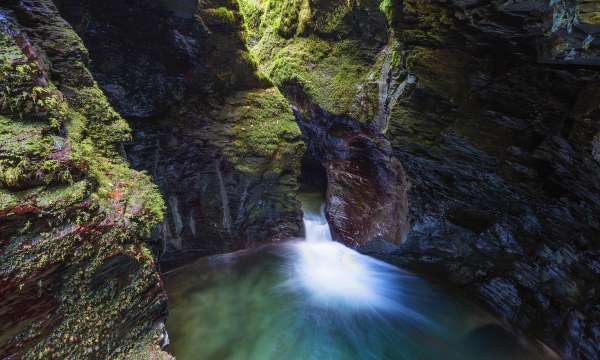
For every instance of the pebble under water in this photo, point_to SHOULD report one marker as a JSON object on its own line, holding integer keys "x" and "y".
{"x": 317, "y": 299}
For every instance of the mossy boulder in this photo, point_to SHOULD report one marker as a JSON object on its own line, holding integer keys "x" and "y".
{"x": 320, "y": 53}
{"x": 68, "y": 204}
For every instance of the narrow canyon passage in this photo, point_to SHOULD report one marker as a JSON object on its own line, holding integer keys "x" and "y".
{"x": 159, "y": 160}
{"x": 314, "y": 298}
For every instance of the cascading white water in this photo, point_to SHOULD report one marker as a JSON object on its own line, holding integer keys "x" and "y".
{"x": 316, "y": 227}
{"x": 335, "y": 275}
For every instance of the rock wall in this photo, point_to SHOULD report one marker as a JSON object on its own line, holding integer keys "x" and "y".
{"x": 326, "y": 58}
{"x": 574, "y": 28}
{"x": 499, "y": 150}
{"x": 77, "y": 280}
{"x": 493, "y": 117}
{"x": 219, "y": 140}
{"x": 489, "y": 109}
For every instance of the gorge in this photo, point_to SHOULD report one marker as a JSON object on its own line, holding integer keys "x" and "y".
{"x": 141, "y": 140}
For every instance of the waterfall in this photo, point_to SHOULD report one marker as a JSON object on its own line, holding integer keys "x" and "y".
{"x": 317, "y": 299}
{"x": 177, "y": 222}
{"x": 390, "y": 88}
{"x": 316, "y": 227}
{"x": 334, "y": 275}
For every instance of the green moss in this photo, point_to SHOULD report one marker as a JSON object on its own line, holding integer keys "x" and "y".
{"x": 265, "y": 134}
{"x": 329, "y": 73}
{"x": 286, "y": 17}
{"x": 62, "y": 196}
{"x": 25, "y": 152}
{"x": 21, "y": 138}
{"x": 72, "y": 203}
{"x": 104, "y": 126}
{"x": 442, "y": 71}
{"x": 7, "y": 199}
{"x": 15, "y": 89}
{"x": 252, "y": 12}
{"x": 19, "y": 94}
{"x": 328, "y": 16}
{"x": 91, "y": 312}
{"x": 430, "y": 13}
{"x": 132, "y": 192}
{"x": 290, "y": 16}
{"x": 588, "y": 12}
{"x": 221, "y": 14}
{"x": 304, "y": 49}
{"x": 387, "y": 7}
{"x": 435, "y": 22}
{"x": 295, "y": 17}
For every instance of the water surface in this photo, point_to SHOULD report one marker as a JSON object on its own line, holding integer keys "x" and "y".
{"x": 317, "y": 299}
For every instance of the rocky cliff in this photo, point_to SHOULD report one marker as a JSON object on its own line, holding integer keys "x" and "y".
{"x": 76, "y": 278}
{"x": 457, "y": 138}
{"x": 81, "y": 231}
{"x": 326, "y": 57}
{"x": 218, "y": 139}
{"x": 499, "y": 147}
{"x": 492, "y": 109}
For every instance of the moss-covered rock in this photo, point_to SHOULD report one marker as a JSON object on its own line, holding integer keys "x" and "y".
{"x": 332, "y": 60}
{"x": 501, "y": 149}
{"x": 324, "y": 53}
{"x": 69, "y": 204}
{"x": 218, "y": 138}
{"x": 263, "y": 127}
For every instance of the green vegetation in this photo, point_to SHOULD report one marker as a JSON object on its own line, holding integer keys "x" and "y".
{"x": 103, "y": 125}
{"x": 287, "y": 17}
{"x": 222, "y": 13}
{"x": 387, "y": 8}
{"x": 72, "y": 202}
{"x": 329, "y": 73}
{"x": 588, "y": 12}
{"x": 433, "y": 26}
{"x": 304, "y": 48}
{"x": 266, "y": 137}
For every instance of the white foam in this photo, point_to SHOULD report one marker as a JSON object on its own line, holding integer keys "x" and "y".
{"x": 335, "y": 275}
{"x": 316, "y": 228}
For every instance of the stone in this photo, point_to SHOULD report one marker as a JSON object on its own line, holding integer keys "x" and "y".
{"x": 75, "y": 271}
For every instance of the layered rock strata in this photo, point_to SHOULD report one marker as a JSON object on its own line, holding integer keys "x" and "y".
{"x": 492, "y": 110}
{"x": 77, "y": 280}
{"x": 219, "y": 140}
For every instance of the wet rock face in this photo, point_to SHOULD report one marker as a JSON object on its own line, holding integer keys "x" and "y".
{"x": 150, "y": 57}
{"x": 217, "y": 138}
{"x": 499, "y": 152}
{"x": 325, "y": 57}
{"x": 76, "y": 277}
{"x": 366, "y": 187}
{"x": 556, "y": 32}
{"x": 574, "y": 33}
{"x": 212, "y": 206}
{"x": 142, "y": 53}
{"x": 488, "y": 110}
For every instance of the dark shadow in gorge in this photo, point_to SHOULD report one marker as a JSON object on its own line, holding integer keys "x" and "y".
{"x": 149, "y": 71}
{"x": 181, "y": 79}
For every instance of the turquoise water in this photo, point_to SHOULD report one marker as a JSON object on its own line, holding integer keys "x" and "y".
{"x": 316, "y": 299}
